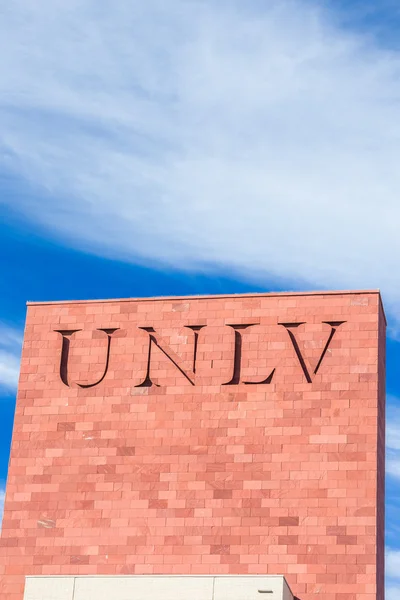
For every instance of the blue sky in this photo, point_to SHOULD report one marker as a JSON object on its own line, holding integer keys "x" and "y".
{"x": 197, "y": 147}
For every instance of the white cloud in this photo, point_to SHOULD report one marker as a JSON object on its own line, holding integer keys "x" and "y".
{"x": 256, "y": 137}
{"x": 392, "y": 563}
{"x": 392, "y": 571}
{"x": 392, "y": 592}
{"x": 9, "y": 370}
{"x": 393, "y": 437}
{"x": 10, "y": 346}
{"x": 393, "y": 428}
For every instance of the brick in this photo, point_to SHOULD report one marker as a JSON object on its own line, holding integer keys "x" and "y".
{"x": 226, "y": 476}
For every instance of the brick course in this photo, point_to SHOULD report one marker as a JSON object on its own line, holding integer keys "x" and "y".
{"x": 281, "y": 477}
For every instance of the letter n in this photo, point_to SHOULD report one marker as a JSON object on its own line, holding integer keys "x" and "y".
{"x": 189, "y": 374}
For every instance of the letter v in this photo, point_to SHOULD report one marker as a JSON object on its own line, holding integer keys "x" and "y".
{"x": 288, "y": 326}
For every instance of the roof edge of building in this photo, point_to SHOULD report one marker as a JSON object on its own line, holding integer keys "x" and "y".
{"x": 211, "y": 296}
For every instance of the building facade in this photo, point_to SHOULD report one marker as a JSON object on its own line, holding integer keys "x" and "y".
{"x": 210, "y": 447}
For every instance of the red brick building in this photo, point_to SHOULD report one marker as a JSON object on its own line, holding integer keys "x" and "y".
{"x": 230, "y": 435}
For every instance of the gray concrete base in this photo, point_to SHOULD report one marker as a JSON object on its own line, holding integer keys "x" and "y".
{"x": 162, "y": 587}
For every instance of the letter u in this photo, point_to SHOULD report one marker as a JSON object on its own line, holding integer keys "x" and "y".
{"x": 66, "y": 336}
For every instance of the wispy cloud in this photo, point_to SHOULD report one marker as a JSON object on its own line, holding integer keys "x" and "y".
{"x": 10, "y": 345}
{"x": 393, "y": 563}
{"x": 392, "y": 502}
{"x": 392, "y": 592}
{"x": 393, "y": 438}
{"x": 257, "y": 137}
{"x": 392, "y": 571}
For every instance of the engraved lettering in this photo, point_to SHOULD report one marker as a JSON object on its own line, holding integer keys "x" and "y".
{"x": 188, "y": 374}
{"x": 237, "y": 358}
{"x": 66, "y": 336}
{"x": 289, "y": 326}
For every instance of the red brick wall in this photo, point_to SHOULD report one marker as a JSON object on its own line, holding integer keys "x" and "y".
{"x": 278, "y": 477}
